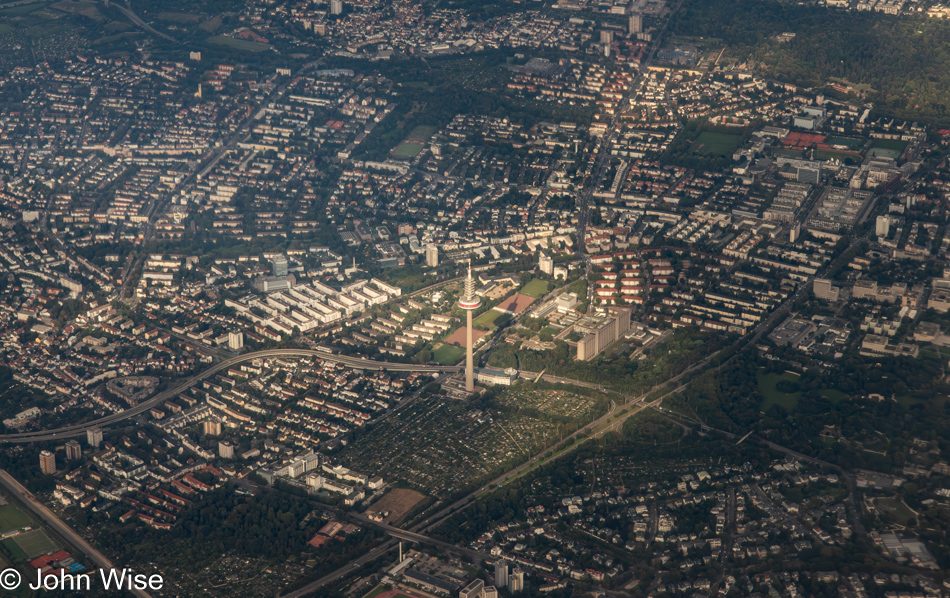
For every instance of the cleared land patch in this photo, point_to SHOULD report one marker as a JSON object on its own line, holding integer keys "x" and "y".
{"x": 397, "y": 503}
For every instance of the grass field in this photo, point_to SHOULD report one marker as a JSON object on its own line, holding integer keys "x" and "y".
{"x": 35, "y": 543}
{"x": 423, "y": 132}
{"x": 4, "y": 28}
{"x": 834, "y": 395}
{"x": 448, "y": 354}
{"x": 840, "y": 156}
{"x": 887, "y": 148}
{"x": 408, "y": 149}
{"x": 849, "y": 142}
{"x": 11, "y": 518}
{"x": 178, "y": 17}
{"x": 16, "y": 553}
{"x": 788, "y": 152}
{"x": 715, "y": 144}
{"x": 84, "y": 8}
{"x": 488, "y": 320}
{"x": 901, "y": 512}
{"x": 238, "y": 44}
{"x": 25, "y": 9}
{"x": 773, "y": 396}
{"x": 880, "y": 152}
{"x": 535, "y": 288}
{"x": 891, "y": 144}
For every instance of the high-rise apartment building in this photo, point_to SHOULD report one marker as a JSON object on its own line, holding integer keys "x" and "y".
{"x": 432, "y": 255}
{"x": 94, "y": 437}
{"x": 73, "y": 450}
{"x": 47, "y": 463}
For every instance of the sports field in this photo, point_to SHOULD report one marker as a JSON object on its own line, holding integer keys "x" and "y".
{"x": 715, "y": 144}
{"x": 422, "y": 132}
{"x": 16, "y": 553}
{"x": 489, "y": 320}
{"x": 11, "y": 518}
{"x": 535, "y": 288}
{"x": 34, "y": 543}
{"x": 515, "y": 304}
{"x": 849, "y": 142}
{"x": 457, "y": 338}
{"x": 238, "y": 44}
{"x": 408, "y": 149}
{"x": 448, "y": 354}
{"x": 843, "y": 157}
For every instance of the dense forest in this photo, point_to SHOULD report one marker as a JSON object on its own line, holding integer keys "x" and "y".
{"x": 905, "y": 60}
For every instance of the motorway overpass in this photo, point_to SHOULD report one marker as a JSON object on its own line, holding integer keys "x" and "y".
{"x": 353, "y": 362}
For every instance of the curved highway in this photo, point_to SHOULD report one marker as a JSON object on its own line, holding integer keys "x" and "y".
{"x": 353, "y": 362}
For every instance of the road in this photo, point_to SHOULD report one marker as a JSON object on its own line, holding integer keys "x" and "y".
{"x": 353, "y": 362}
{"x": 610, "y": 422}
{"x": 138, "y": 21}
{"x": 156, "y": 207}
{"x": 57, "y": 525}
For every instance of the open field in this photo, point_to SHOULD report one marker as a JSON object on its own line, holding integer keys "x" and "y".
{"x": 447, "y": 354}
{"x": 398, "y": 502}
{"x": 891, "y": 144}
{"x": 488, "y": 320}
{"x": 457, "y": 338}
{"x": 25, "y": 9}
{"x": 238, "y": 44}
{"x": 422, "y": 132}
{"x": 840, "y": 156}
{"x": 535, "y": 288}
{"x": 887, "y": 148}
{"x": 178, "y": 17}
{"x": 896, "y": 507}
{"x": 715, "y": 144}
{"x": 11, "y": 518}
{"x": 849, "y": 142}
{"x": 84, "y": 8}
{"x": 515, "y": 304}
{"x": 773, "y": 396}
{"x": 16, "y": 553}
{"x": 34, "y": 543}
{"x": 787, "y": 152}
{"x": 408, "y": 149}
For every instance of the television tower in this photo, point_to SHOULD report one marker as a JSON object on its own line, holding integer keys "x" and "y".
{"x": 469, "y": 301}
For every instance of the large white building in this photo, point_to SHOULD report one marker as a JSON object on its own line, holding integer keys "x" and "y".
{"x": 432, "y": 255}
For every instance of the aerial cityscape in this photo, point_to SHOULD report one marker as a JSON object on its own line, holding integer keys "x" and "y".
{"x": 475, "y": 298}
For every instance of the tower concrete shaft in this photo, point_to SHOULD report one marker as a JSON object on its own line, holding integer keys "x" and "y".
{"x": 469, "y": 358}
{"x": 469, "y": 301}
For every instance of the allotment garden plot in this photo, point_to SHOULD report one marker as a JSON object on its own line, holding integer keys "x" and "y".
{"x": 443, "y": 446}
